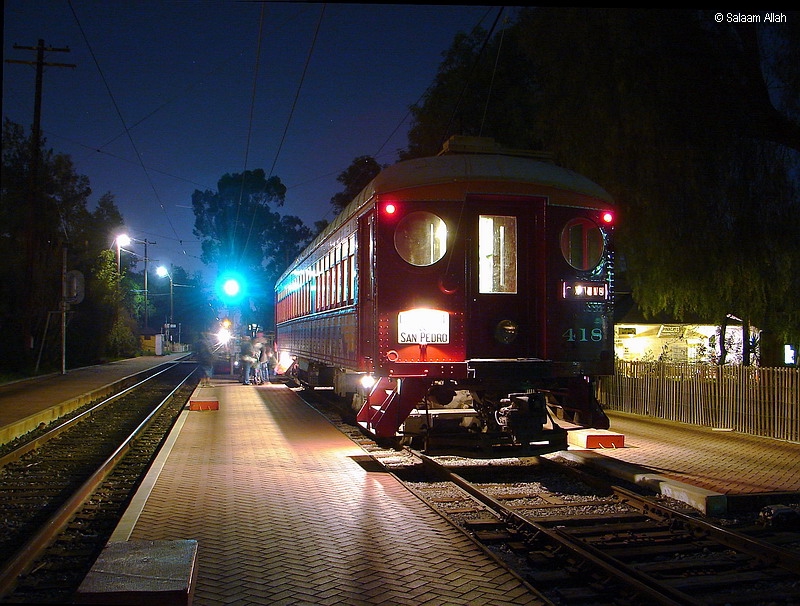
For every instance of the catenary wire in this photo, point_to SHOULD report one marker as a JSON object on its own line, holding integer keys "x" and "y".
{"x": 122, "y": 120}
{"x": 291, "y": 113}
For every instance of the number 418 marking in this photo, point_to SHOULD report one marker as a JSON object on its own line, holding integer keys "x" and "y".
{"x": 583, "y": 334}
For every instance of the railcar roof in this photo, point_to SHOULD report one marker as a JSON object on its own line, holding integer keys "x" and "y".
{"x": 453, "y": 168}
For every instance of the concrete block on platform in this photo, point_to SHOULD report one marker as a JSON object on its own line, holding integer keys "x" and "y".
{"x": 706, "y": 501}
{"x": 595, "y": 438}
{"x": 142, "y": 572}
{"x": 203, "y": 404}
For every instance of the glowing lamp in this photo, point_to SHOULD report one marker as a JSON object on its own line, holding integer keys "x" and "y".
{"x": 223, "y": 336}
{"x": 231, "y": 288}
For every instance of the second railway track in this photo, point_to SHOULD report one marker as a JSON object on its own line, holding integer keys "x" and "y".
{"x": 63, "y": 492}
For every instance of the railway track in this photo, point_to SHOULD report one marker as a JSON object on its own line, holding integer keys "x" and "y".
{"x": 581, "y": 540}
{"x": 62, "y": 492}
{"x": 588, "y": 545}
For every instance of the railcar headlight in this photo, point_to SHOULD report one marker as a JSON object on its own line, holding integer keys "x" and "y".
{"x": 367, "y": 381}
{"x": 506, "y": 332}
{"x": 285, "y": 361}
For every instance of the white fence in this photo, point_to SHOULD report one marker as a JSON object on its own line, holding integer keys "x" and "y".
{"x": 759, "y": 401}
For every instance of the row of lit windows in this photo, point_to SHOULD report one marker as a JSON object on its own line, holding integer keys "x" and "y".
{"x": 329, "y": 283}
{"x": 421, "y": 240}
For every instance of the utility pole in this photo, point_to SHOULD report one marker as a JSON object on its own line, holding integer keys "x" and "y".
{"x": 63, "y": 307}
{"x": 34, "y": 242}
{"x": 146, "y": 311}
{"x": 40, "y": 64}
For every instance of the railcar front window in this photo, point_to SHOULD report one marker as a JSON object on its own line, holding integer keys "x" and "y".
{"x": 582, "y": 243}
{"x": 421, "y": 238}
{"x": 497, "y": 253}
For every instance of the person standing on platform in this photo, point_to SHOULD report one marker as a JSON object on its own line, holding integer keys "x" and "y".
{"x": 247, "y": 356}
{"x": 263, "y": 362}
{"x": 205, "y": 359}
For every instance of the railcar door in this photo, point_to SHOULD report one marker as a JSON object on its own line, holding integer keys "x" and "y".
{"x": 506, "y": 277}
{"x": 366, "y": 292}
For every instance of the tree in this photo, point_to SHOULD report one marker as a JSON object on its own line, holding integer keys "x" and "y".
{"x": 484, "y": 87}
{"x": 672, "y": 114}
{"x": 55, "y": 219}
{"x": 102, "y": 313}
{"x": 234, "y": 221}
{"x": 355, "y": 178}
{"x": 239, "y": 232}
{"x": 715, "y": 186}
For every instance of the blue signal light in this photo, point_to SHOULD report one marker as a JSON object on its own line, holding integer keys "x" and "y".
{"x": 231, "y": 288}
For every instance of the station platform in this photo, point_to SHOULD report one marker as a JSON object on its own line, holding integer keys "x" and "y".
{"x": 284, "y": 512}
{"x": 716, "y": 471}
{"x": 26, "y": 404}
{"x": 284, "y": 508}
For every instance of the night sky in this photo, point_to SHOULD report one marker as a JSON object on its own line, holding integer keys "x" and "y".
{"x": 333, "y": 82}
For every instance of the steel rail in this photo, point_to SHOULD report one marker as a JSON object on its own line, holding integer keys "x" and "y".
{"x": 628, "y": 576}
{"x": 38, "y": 441}
{"x": 27, "y": 554}
{"x": 767, "y": 552}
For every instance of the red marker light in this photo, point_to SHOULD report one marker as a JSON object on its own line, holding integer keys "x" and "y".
{"x": 390, "y": 208}
{"x": 607, "y": 217}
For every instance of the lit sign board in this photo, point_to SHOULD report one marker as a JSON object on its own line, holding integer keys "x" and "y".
{"x": 670, "y": 331}
{"x": 584, "y": 291}
{"x": 423, "y": 326}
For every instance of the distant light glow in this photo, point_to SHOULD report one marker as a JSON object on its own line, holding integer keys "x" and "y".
{"x": 223, "y": 336}
{"x": 607, "y": 217}
{"x": 285, "y": 361}
{"x": 231, "y": 287}
{"x": 390, "y": 208}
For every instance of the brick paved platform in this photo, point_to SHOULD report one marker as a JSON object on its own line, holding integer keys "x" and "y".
{"x": 284, "y": 514}
{"x": 715, "y": 471}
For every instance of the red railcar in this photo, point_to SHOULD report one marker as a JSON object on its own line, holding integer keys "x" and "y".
{"x": 466, "y": 295}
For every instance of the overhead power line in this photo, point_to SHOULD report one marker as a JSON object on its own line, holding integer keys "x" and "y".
{"x": 124, "y": 125}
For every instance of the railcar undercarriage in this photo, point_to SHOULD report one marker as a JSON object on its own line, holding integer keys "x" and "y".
{"x": 520, "y": 422}
{"x": 446, "y": 414}
{"x": 485, "y": 415}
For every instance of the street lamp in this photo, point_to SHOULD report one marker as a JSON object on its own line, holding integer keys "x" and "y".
{"x": 121, "y": 240}
{"x": 162, "y": 272}
{"x": 125, "y": 240}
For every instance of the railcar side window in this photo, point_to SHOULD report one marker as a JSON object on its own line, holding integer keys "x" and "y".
{"x": 582, "y": 243}
{"x": 497, "y": 254}
{"x": 421, "y": 238}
